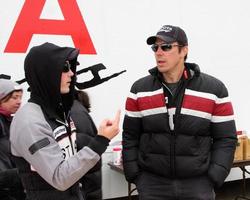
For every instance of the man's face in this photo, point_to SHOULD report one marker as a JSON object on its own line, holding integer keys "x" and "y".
{"x": 169, "y": 56}
{"x": 66, "y": 76}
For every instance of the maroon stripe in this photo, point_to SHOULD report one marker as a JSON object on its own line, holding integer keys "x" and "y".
{"x": 198, "y": 103}
{"x": 145, "y": 103}
{"x": 223, "y": 109}
{"x": 131, "y": 105}
{"x": 207, "y": 105}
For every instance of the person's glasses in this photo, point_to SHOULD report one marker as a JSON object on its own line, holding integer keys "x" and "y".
{"x": 164, "y": 47}
{"x": 67, "y": 66}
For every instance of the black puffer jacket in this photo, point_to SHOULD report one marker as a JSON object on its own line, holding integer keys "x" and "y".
{"x": 5, "y": 155}
{"x": 10, "y": 183}
{"x": 86, "y": 131}
{"x": 190, "y": 134}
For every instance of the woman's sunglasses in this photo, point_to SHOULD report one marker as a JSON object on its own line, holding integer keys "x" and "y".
{"x": 67, "y": 66}
{"x": 164, "y": 47}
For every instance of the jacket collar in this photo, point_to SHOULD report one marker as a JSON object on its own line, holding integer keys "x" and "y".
{"x": 191, "y": 70}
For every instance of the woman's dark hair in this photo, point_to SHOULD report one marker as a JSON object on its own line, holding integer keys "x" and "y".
{"x": 83, "y": 98}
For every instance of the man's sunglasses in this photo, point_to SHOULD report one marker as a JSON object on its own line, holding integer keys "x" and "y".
{"x": 67, "y": 66}
{"x": 164, "y": 47}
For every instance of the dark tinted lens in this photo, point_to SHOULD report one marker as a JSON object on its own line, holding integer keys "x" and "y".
{"x": 166, "y": 47}
{"x": 154, "y": 47}
{"x": 66, "y": 66}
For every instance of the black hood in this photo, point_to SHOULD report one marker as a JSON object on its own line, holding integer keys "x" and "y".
{"x": 43, "y": 67}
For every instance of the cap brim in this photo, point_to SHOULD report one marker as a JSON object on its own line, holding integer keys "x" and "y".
{"x": 152, "y": 39}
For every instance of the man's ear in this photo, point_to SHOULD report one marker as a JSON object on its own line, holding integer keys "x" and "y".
{"x": 184, "y": 51}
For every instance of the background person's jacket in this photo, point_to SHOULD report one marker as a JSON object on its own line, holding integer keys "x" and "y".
{"x": 42, "y": 134}
{"x": 5, "y": 155}
{"x": 190, "y": 134}
{"x": 10, "y": 183}
{"x": 86, "y": 131}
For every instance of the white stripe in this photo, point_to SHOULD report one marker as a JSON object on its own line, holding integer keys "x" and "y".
{"x": 154, "y": 111}
{"x": 222, "y": 100}
{"x": 207, "y": 96}
{"x": 147, "y": 112}
{"x": 215, "y": 119}
{"x": 196, "y": 113}
{"x": 133, "y": 114}
{"x": 132, "y": 96}
{"x": 60, "y": 130}
{"x": 218, "y": 119}
{"x": 201, "y": 94}
{"x": 144, "y": 94}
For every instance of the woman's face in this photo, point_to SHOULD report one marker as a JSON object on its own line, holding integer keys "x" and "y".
{"x": 13, "y": 103}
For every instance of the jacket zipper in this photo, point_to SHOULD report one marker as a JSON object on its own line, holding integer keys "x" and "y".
{"x": 68, "y": 129}
{"x": 172, "y": 134}
{"x": 180, "y": 91}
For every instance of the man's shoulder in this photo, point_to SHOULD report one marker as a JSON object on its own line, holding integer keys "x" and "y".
{"x": 29, "y": 113}
{"x": 210, "y": 84}
{"x": 211, "y": 80}
{"x": 146, "y": 80}
{"x": 210, "y": 77}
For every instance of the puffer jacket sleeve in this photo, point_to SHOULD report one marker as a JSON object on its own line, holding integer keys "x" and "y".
{"x": 131, "y": 135}
{"x": 224, "y": 138}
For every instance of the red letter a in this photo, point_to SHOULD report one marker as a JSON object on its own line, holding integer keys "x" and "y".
{"x": 29, "y": 23}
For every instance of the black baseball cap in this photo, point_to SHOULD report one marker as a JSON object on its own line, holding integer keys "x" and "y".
{"x": 170, "y": 34}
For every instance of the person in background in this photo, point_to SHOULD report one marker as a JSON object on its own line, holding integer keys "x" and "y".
{"x": 10, "y": 100}
{"x": 85, "y": 132}
{"x": 42, "y": 133}
{"x": 179, "y": 133}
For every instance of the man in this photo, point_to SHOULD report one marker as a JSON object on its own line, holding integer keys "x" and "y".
{"x": 179, "y": 134}
{"x": 43, "y": 136}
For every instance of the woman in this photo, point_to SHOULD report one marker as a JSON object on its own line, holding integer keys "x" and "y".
{"x": 10, "y": 100}
{"x": 86, "y": 130}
